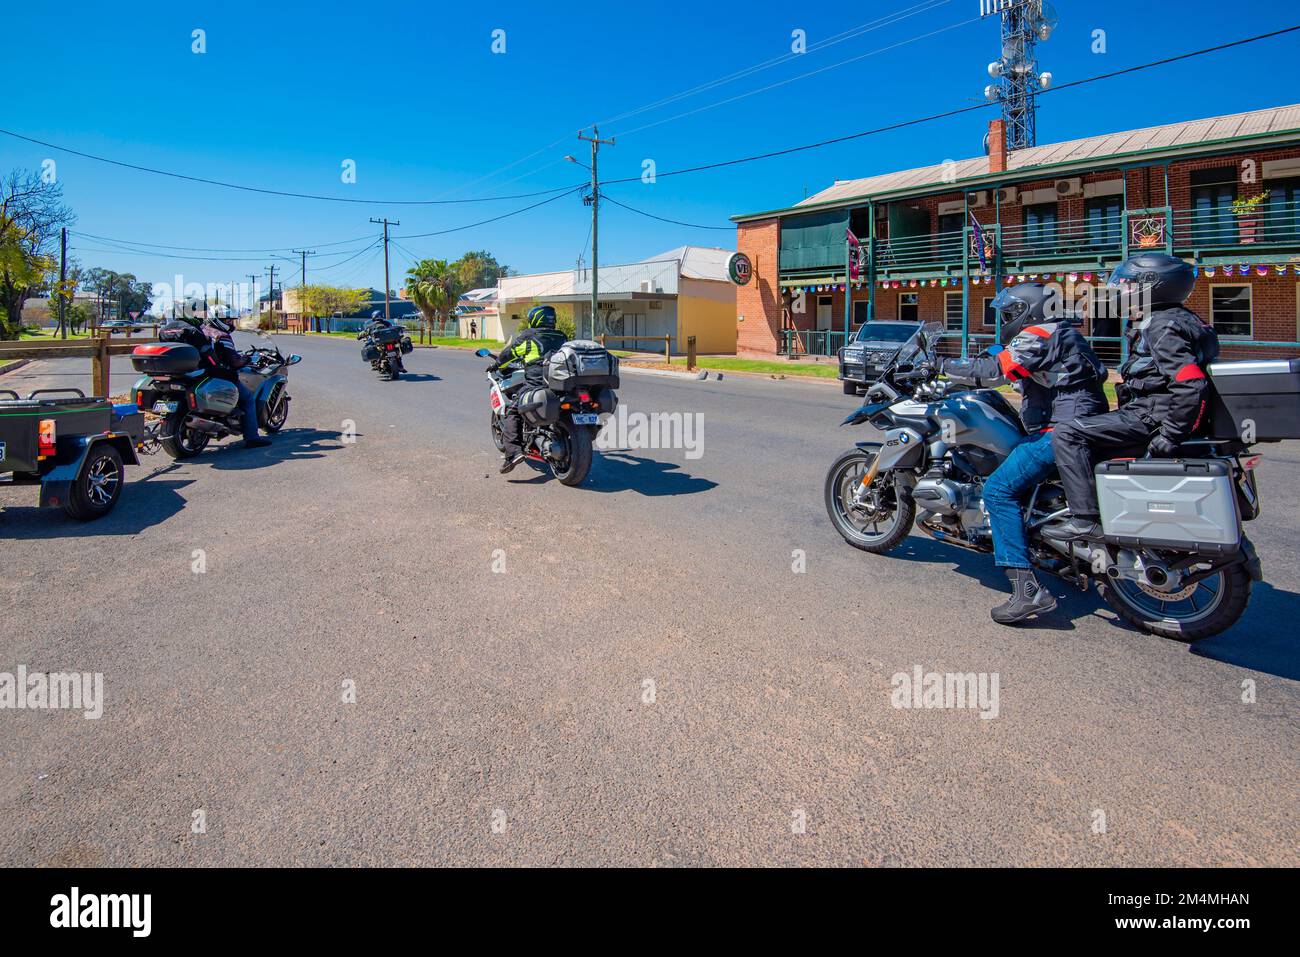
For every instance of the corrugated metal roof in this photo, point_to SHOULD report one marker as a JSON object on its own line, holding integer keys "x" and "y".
{"x": 1279, "y": 119}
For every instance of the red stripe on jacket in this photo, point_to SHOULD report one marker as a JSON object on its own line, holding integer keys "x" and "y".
{"x": 1189, "y": 372}
{"x": 1010, "y": 367}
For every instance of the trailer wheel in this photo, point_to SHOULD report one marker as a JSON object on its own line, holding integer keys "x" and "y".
{"x": 98, "y": 484}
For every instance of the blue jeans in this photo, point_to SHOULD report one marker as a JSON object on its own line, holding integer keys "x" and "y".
{"x": 248, "y": 406}
{"x": 1030, "y": 463}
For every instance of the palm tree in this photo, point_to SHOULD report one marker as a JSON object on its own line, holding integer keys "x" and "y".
{"x": 435, "y": 289}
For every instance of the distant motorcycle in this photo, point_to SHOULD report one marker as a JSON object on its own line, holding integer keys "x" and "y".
{"x": 562, "y": 417}
{"x": 194, "y": 408}
{"x": 383, "y": 348}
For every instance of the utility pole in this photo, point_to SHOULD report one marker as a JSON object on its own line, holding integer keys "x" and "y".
{"x": 270, "y": 296}
{"x": 595, "y": 141}
{"x": 63, "y": 282}
{"x": 387, "y": 285}
{"x": 302, "y": 292}
{"x": 252, "y": 295}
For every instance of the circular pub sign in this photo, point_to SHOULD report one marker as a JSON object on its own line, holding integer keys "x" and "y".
{"x": 739, "y": 269}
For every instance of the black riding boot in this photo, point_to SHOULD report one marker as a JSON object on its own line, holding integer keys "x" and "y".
{"x": 1028, "y": 598}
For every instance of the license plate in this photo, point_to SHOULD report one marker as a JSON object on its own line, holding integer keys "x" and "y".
{"x": 2, "y": 451}
{"x": 586, "y": 418}
{"x": 164, "y": 408}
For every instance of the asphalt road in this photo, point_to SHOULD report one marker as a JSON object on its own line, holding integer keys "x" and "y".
{"x": 505, "y": 716}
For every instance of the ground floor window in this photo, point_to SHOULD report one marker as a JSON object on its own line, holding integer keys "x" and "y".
{"x": 952, "y": 311}
{"x": 909, "y": 306}
{"x": 1230, "y": 310}
{"x": 990, "y": 318}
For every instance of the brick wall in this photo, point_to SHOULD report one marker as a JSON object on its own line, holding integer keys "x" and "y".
{"x": 758, "y": 304}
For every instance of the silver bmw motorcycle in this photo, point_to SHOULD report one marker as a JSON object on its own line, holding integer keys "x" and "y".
{"x": 1174, "y": 561}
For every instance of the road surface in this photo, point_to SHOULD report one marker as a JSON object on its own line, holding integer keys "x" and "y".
{"x": 631, "y": 672}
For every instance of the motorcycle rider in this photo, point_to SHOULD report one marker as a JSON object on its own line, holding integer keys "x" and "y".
{"x": 1059, "y": 377}
{"x": 375, "y": 323}
{"x": 226, "y": 362}
{"x": 526, "y": 350}
{"x": 1164, "y": 394}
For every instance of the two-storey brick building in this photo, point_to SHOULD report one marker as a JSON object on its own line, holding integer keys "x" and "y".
{"x": 936, "y": 243}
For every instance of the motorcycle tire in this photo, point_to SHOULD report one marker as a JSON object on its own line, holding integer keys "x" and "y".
{"x": 98, "y": 484}
{"x": 577, "y": 439}
{"x": 272, "y": 422}
{"x": 885, "y": 534}
{"x": 180, "y": 442}
{"x": 498, "y": 438}
{"x": 1228, "y": 594}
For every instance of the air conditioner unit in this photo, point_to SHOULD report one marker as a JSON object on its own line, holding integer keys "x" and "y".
{"x": 1007, "y": 195}
{"x": 1069, "y": 187}
{"x": 978, "y": 200}
{"x": 647, "y": 285}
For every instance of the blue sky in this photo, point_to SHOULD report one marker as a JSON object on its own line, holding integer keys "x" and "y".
{"x": 413, "y": 93}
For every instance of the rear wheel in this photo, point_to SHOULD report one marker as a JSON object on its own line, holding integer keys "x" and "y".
{"x": 850, "y": 388}
{"x": 179, "y": 441}
{"x": 577, "y": 444}
{"x": 98, "y": 484}
{"x": 875, "y": 521}
{"x": 1191, "y": 613}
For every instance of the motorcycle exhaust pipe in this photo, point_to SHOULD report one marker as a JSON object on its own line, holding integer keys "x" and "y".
{"x": 204, "y": 425}
{"x": 1157, "y": 576}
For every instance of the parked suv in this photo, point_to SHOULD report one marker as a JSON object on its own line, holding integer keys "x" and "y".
{"x": 871, "y": 350}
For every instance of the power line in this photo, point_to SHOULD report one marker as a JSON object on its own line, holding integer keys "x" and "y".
{"x": 275, "y": 192}
{"x": 675, "y": 222}
{"x": 211, "y": 249}
{"x": 484, "y": 222}
{"x": 954, "y": 112}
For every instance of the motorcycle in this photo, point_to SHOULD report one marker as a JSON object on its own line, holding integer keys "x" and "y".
{"x": 383, "y": 348}
{"x": 1173, "y": 562}
{"x": 194, "y": 408}
{"x": 562, "y": 417}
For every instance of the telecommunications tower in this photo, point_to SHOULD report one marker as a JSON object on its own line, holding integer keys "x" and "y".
{"x": 1015, "y": 74}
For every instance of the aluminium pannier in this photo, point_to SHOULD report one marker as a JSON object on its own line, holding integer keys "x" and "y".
{"x": 1257, "y": 400}
{"x": 1169, "y": 503}
{"x": 581, "y": 362}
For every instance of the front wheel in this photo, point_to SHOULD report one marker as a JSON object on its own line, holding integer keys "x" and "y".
{"x": 98, "y": 484}
{"x": 1197, "y": 611}
{"x": 875, "y": 521}
{"x": 577, "y": 445}
{"x": 498, "y": 437}
{"x": 182, "y": 442}
{"x": 273, "y": 419}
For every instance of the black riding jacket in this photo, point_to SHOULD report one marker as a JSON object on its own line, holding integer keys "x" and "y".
{"x": 1053, "y": 366}
{"x": 1165, "y": 373}
{"x": 527, "y": 350}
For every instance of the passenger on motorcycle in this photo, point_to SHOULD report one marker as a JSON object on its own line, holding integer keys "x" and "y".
{"x": 227, "y": 360}
{"x": 1059, "y": 378}
{"x": 1162, "y": 401}
{"x": 527, "y": 350}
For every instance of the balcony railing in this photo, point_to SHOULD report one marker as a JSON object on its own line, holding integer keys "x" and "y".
{"x": 1223, "y": 230}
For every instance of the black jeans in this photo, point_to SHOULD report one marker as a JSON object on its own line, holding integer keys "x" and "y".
{"x": 1088, "y": 439}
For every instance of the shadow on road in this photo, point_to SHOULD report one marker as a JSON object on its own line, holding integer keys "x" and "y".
{"x": 286, "y": 445}
{"x": 1264, "y": 639}
{"x": 419, "y": 377}
{"x": 144, "y": 503}
{"x": 620, "y": 471}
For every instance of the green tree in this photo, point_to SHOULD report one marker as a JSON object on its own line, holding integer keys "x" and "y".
{"x": 31, "y": 214}
{"x": 435, "y": 287}
{"x": 324, "y": 302}
{"x": 478, "y": 269}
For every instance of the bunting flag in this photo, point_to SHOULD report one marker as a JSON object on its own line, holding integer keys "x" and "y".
{"x": 855, "y": 253}
{"x": 978, "y": 235}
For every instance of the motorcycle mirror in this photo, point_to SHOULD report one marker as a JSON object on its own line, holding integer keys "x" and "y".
{"x": 294, "y": 359}
{"x": 482, "y": 353}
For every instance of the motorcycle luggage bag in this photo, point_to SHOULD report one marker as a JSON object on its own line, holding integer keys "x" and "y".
{"x": 581, "y": 362}
{"x": 407, "y": 346}
{"x": 539, "y": 406}
{"x": 165, "y": 358}
{"x": 1188, "y": 504}
{"x": 369, "y": 352}
{"x": 384, "y": 336}
{"x": 1257, "y": 400}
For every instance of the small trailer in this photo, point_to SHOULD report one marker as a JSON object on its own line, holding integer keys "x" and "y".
{"x": 75, "y": 448}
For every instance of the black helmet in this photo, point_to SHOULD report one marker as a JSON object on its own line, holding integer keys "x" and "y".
{"x": 1021, "y": 306}
{"x": 1168, "y": 280}
{"x": 540, "y": 317}
{"x": 376, "y": 314}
